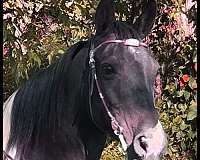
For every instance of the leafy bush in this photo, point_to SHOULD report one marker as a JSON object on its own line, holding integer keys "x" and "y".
{"x": 35, "y": 33}
{"x": 174, "y": 43}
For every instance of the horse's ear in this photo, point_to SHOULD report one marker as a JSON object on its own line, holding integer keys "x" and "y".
{"x": 145, "y": 21}
{"x": 104, "y": 15}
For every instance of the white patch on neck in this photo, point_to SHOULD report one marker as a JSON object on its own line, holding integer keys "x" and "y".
{"x": 7, "y": 108}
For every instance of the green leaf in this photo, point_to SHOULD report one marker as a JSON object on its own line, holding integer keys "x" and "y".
{"x": 37, "y": 59}
{"x": 183, "y": 126}
{"x": 195, "y": 59}
{"x": 173, "y": 149}
{"x": 191, "y": 115}
{"x": 181, "y": 67}
{"x": 184, "y": 115}
{"x": 189, "y": 47}
{"x": 182, "y": 107}
{"x": 180, "y": 93}
{"x": 61, "y": 51}
{"x": 183, "y": 145}
{"x": 192, "y": 83}
{"x": 177, "y": 120}
{"x": 5, "y": 34}
{"x": 50, "y": 58}
{"x": 186, "y": 95}
{"x": 179, "y": 135}
{"x": 174, "y": 129}
{"x": 192, "y": 111}
{"x": 169, "y": 103}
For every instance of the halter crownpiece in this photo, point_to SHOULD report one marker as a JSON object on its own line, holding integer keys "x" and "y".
{"x": 118, "y": 130}
{"x": 127, "y": 42}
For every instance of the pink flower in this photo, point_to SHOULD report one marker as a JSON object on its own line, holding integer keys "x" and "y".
{"x": 5, "y": 51}
{"x": 158, "y": 87}
{"x": 181, "y": 83}
{"x": 194, "y": 66}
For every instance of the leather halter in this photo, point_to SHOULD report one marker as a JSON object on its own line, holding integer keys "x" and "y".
{"x": 118, "y": 130}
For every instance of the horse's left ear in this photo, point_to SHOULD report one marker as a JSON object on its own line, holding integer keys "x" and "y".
{"x": 145, "y": 21}
{"x": 104, "y": 15}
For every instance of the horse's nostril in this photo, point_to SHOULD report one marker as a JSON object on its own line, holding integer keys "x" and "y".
{"x": 143, "y": 143}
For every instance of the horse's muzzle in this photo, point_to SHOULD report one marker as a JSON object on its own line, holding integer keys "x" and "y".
{"x": 151, "y": 144}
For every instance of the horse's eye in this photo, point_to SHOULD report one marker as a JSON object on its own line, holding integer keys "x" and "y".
{"x": 107, "y": 71}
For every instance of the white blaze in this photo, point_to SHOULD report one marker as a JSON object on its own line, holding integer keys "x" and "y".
{"x": 154, "y": 139}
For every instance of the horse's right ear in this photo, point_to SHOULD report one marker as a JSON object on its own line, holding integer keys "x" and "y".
{"x": 104, "y": 15}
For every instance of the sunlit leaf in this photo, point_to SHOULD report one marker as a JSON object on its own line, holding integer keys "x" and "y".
{"x": 192, "y": 83}
{"x": 186, "y": 95}
{"x": 192, "y": 111}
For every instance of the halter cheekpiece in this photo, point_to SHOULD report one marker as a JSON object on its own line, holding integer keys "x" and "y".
{"x": 93, "y": 77}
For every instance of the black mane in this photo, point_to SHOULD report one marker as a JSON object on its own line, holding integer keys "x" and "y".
{"x": 40, "y": 104}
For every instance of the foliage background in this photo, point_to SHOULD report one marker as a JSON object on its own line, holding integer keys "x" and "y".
{"x": 36, "y": 32}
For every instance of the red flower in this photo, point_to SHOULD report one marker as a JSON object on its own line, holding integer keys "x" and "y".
{"x": 185, "y": 78}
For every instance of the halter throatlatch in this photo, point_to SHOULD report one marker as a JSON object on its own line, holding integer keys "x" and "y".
{"x": 118, "y": 130}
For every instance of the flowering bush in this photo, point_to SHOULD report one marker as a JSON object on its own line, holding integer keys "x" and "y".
{"x": 173, "y": 42}
{"x": 36, "y": 33}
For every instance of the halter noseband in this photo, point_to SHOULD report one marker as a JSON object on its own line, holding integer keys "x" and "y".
{"x": 115, "y": 125}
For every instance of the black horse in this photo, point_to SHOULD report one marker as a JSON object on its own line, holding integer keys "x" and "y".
{"x": 103, "y": 86}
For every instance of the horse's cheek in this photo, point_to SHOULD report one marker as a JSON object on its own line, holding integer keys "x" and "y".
{"x": 129, "y": 122}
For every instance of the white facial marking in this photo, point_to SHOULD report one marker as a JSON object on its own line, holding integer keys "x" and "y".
{"x": 154, "y": 140}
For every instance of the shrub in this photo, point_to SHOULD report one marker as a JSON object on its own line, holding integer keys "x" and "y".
{"x": 35, "y": 33}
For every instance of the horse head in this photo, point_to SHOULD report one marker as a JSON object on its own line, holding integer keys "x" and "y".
{"x": 122, "y": 75}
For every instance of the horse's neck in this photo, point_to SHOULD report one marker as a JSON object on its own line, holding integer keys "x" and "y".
{"x": 92, "y": 138}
